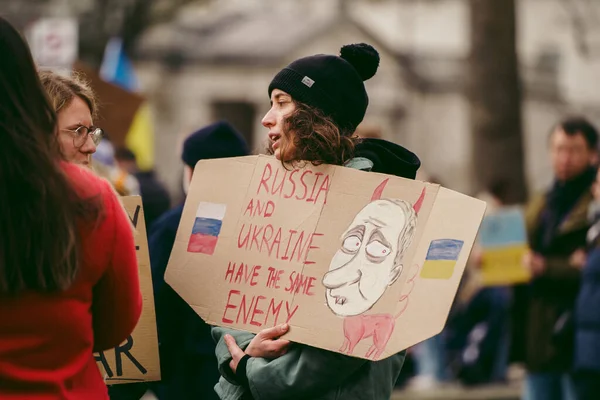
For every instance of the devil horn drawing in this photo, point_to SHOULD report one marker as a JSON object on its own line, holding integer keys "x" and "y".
{"x": 379, "y": 190}
{"x": 419, "y": 203}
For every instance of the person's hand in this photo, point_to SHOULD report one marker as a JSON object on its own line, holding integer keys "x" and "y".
{"x": 534, "y": 262}
{"x": 578, "y": 258}
{"x": 477, "y": 257}
{"x": 265, "y": 344}
{"x": 235, "y": 351}
{"x": 268, "y": 344}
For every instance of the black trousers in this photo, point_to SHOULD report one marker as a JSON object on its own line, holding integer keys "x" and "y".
{"x": 587, "y": 385}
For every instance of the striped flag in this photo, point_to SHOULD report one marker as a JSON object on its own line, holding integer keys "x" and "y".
{"x": 207, "y": 227}
{"x": 441, "y": 258}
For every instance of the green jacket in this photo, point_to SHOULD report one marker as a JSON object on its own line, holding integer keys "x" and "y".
{"x": 554, "y": 292}
{"x": 306, "y": 372}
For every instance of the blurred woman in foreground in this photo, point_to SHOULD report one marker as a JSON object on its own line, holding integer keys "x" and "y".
{"x": 68, "y": 273}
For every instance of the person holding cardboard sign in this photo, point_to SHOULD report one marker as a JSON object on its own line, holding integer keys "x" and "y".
{"x": 69, "y": 281}
{"x": 317, "y": 103}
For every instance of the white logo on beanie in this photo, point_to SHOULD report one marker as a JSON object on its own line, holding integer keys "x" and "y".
{"x": 307, "y": 81}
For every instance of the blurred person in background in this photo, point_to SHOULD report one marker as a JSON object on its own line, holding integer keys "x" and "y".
{"x": 69, "y": 282}
{"x": 557, "y": 226}
{"x": 155, "y": 197}
{"x": 105, "y": 165}
{"x": 316, "y": 104}
{"x": 478, "y": 330}
{"x": 430, "y": 356}
{"x": 76, "y": 105}
{"x": 586, "y": 361}
{"x": 187, "y": 351}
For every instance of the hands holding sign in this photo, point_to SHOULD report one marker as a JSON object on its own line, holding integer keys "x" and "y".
{"x": 266, "y": 344}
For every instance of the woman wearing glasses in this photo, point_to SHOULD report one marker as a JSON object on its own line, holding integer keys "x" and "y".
{"x": 75, "y": 104}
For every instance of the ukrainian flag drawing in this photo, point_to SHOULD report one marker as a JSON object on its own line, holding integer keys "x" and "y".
{"x": 207, "y": 227}
{"x": 441, "y": 258}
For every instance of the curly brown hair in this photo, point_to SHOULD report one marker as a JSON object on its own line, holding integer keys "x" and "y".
{"x": 315, "y": 138}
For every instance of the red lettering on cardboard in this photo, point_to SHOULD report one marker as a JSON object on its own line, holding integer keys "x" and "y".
{"x": 273, "y": 310}
{"x": 293, "y": 185}
{"x": 284, "y": 184}
{"x": 261, "y": 239}
{"x": 290, "y": 314}
{"x": 242, "y": 273}
{"x": 229, "y": 305}
{"x": 256, "y": 311}
{"x": 300, "y": 283}
{"x": 266, "y": 175}
{"x": 256, "y": 208}
{"x": 311, "y": 247}
{"x": 273, "y": 278}
{"x": 250, "y": 311}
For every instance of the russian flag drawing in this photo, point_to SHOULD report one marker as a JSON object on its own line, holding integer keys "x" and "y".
{"x": 207, "y": 227}
{"x": 441, "y": 258}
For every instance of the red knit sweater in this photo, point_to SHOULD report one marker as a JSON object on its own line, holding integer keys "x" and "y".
{"x": 47, "y": 340}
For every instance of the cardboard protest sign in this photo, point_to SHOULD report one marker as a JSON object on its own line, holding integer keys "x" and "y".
{"x": 359, "y": 263}
{"x": 136, "y": 359}
{"x": 503, "y": 239}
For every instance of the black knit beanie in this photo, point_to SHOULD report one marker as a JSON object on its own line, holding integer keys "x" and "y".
{"x": 332, "y": 84}
{"x": 218, "y": 140}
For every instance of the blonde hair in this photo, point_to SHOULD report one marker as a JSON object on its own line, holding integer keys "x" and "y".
{"x": 62, "y": 90}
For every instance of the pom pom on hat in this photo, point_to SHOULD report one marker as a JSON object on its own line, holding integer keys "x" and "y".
{"x": 363, "y": 57}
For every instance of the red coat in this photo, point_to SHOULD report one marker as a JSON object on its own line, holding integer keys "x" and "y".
{"x": 47, "y": 340}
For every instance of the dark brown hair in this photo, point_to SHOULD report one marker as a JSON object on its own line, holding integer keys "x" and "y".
{"x": 574, "y": 125}
{"x": 41, "y": 210}
{"x": 314, "y": 137}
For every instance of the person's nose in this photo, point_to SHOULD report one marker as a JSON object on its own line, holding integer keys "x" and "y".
{"x": 342, "y": 276}
{"x": 89, "y": 147}
{"x": 269, "y": 119}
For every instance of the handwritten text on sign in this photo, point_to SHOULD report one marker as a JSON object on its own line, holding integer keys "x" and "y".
{"x": 281, "y": 244}
{"x": 137, "y": 358}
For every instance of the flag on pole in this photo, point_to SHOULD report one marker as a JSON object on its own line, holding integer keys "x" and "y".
{"x": 116, "y": 68}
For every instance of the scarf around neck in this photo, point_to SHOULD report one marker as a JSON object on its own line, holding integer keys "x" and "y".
{"x": 560, "y": 200}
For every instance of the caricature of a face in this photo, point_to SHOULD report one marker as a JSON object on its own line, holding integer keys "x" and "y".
{"x": 370, "y": 257}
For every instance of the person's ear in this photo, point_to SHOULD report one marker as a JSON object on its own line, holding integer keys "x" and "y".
{"x": 395, "y": 272}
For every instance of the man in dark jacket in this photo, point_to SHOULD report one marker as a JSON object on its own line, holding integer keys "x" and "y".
{"x": 557, "y": 225}
{"x": 187, "y": 351}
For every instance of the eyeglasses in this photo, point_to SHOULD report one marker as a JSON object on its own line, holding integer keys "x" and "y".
{"x": 80, "y": 135}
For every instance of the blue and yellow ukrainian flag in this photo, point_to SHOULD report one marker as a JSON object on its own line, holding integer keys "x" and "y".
{"x": 117, "y": 69}
{"x": 503, "y": 239}
{"x": 441, "y": 258}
